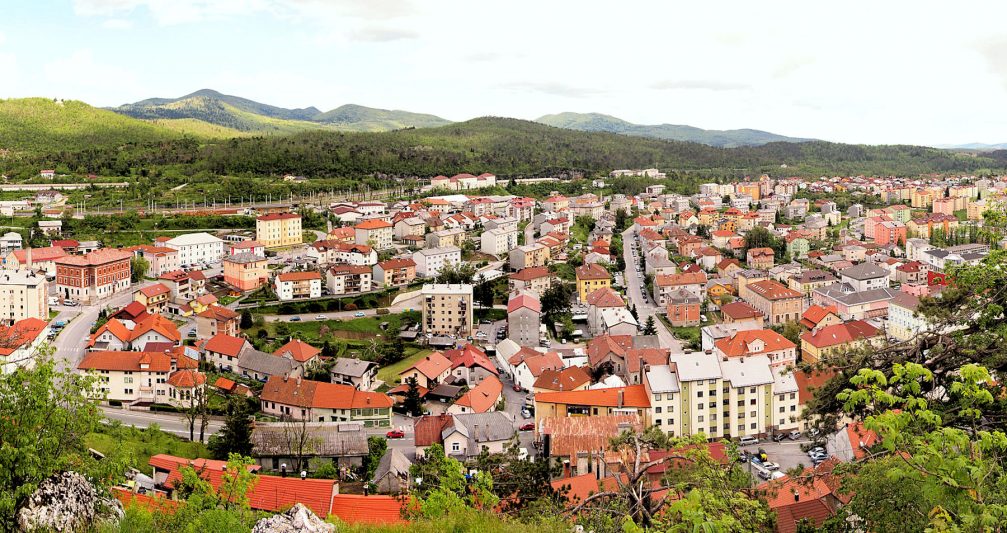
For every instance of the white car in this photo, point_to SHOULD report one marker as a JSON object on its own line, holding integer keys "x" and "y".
{"x": 771, "y": 466}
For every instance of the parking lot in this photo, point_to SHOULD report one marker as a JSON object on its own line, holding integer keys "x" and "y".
{"x": 786, "y": 453}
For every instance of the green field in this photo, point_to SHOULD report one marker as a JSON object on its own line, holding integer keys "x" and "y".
{"x": 390, "y": 373}
{"x": 138, "y": 445}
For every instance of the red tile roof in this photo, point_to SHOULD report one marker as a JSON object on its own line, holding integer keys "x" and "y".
{"x": 431, "y": 366}
{"x": 809, "y": 382}
{"x": 50, "y": 253}
{"x": 483, "y": 396}
{"x": 298, "y": 276}
{"x": 95, "y": 258}
{"x": 524, "y": 300}
{"x": 814, "y": 314}
{"x": 276, "y": 493}
{"x": 299, "y": 350}
{"x": 685, "y": 278}
{"x": 772, "y": 290}
{"x": 631, "y": 396}
{"x": 224, "y": 344}
{"x": 373, "y": 223}
{"x": 156, "y": 289}
{"x": 321, "y": 395}
{"x": 186, "y": 379}
{"x": 530, "y": 273}
{"x": 470, "y": 357}
{"x": 23, "y": 332}
{"x": 353, "y": 509}
{"x": 566, "y": 379}
{"x": 742, "y": 343}
{"x": 592, "y": 271}
{"x": 605, "y": 297}
{"x": 740, "y": 311}
{"x": 839, "y": 334}
{"x": 427, "y": 430}
{"x": 125, "y": 361}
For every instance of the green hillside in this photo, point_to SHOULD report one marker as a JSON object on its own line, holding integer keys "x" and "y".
{"x": 33, "y": 125}
{"x": 671, "y": 132}
{"x": 359, "y": 118}
{"x": 216, "y": 112}
{"x": 238, "y": 102}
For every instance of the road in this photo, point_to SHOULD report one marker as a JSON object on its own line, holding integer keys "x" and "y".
{"x": 170, "y": 423}
{"x": 411, "y": 303}
{"x": 635, "y": 286}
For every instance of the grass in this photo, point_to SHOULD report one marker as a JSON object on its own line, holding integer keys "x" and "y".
{"x": 390, "y": 374}
{"x": 138, "y": 445}
{"x": 691, "y": 334}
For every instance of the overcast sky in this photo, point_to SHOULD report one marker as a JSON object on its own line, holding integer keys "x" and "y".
{"x": 863, "y": 72}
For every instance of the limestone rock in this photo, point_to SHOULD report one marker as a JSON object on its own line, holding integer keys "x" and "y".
{"x": 67, "y": 502}
{"x": 297, "y": 519}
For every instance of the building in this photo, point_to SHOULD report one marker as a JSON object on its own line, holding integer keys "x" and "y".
{"x": 140, "y": 377}
{"x": 591, "y": 277}
{"x": 393, "y": 273}
{"x": 528, "y": 256}
{"x": 328, "y": 252}
{"x": 445, "y": 237}
{"x": 761, "y": 258}
{"x": 464, "y": 436}
{"x": 375, "y": 233}
{"x": 597, "y": 301}
{"x": 903, "y": 322}
{"x": 498, "y": 241}
{"x": 280, "y": 229}
{"x": 482, "y": 398}
{"x": 41, "y": 260}
{"x": 779, "y": 350}
{"x": 23, "y": 295}
{"x": 217, "y": 319}
{"x": 778, "y": 303}
{"x": 430, "y": 261}
{"x": 197, "y": 248}
{"x": 357, "y": 373}
{"x": 737, "y": 312}
{"x": 93, "y": 277}
{"x": 21, "y": 344}
{"x": 665, "y": 284}
{"x": 246, "y": 272}
{"x": 9, "y": 242}
{"x": 297, "y": 285}
{"x": 300, "y": 352}
{"x": 160, "y": 259}
{"x": 865, "y": 276}
{"x": 566, "y": 379}
{"x": 246, "y": 247}
{"x": 837, "y": 339}
{"x": 223, "y": 350}
{"x": 428, "y": 372}
{"x": 524, "y": 317}
{"x": 534, "y": 279}
{"x": 447, "y": 309}
{"x": 343, "y": 445}
{"x": 154, "y": 298}
{"x": 119, "y": 334}
{"x": 302, "y": 399}
{"x": 630, "y": 400}
{"x": 808, "y": 280}
{"x": 683, "y": 308}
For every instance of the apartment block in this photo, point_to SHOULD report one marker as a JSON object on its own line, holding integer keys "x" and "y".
{"x": 23, "y": 294}
{"x": 447, "y": 309}
{"x": 296, "y": 285}
{"x": 280, "y": 229}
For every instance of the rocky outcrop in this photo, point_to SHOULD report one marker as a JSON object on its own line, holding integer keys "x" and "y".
{"x": 297, "y": 519}
{"x": 67, "y": 502}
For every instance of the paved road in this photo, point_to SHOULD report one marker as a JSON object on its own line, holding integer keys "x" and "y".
{"x": 404, "y": 305}
{"x": 634, "y": 289}
{"x": 168, "y": 422}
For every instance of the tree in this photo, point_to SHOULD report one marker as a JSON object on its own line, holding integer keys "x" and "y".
{"x": 45, "y": 417}
{"x": 236, "y": 435}
{"x": 651, "y": 327}
{"x": 391, "y": 351}
{"x": 443, "y": 487}
{"x": 620, "y": 220}
{"x": 195, "y": 410}
{"x": 299, "y": 441}
{"x": 246, "y": 319}
{"x": 453, "y": 274}
{"x": 139, "y": 267}
{"x": 413, "y": 404}
{"x": 519, "y": 483}
{"x": 376, "y": 448}
{"x": 483, "y": 293}
{"x": 556, "y": 300}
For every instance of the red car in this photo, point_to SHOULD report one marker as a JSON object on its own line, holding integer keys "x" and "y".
{"x": 527, "y": 427}
{"x": 517, "y": 388}
{"x": 395, "y": 434}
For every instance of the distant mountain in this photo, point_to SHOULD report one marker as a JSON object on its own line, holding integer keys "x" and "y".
{"x": 671, "y": 132}
{"x": 211, "y": 113}
{"x": 980, "y": 147}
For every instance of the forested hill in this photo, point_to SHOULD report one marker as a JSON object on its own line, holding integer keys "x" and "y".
{"x": 508, "y": 147}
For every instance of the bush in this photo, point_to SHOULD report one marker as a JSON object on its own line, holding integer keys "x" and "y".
{"x": 162, "y": 408}
{"x": 115, "y": 403}
{"x": 314, "y": 307}
{"x": 350, "y": 307}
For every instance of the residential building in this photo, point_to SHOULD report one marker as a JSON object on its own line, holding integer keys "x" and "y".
{"x": 855, "y": 305}
{"x": 348, "y": 279}
{"x": 40, "y": 260}
{"x": 683, "y": 308}
{"x": 260, "y": 366}
{"x": 393, "y": 273}
{"x": 300, "y": 352}
{"x": 724, "y": 397}
{"x": 663, "y": 388}
{"x": 197, "y": 248}
{"x": 223, "y": 350}
{"x": 597, "y": 301}
{"x": 566, "y": 379}
{"x": 445, "y": 237}
{"x": 816, "y": 316}
{"x": 23, "y": 295}
{"x": 498, "y": 241}
{"x": 528, "y": 256}
{"x": 430, "y": 261}
{"x": 664, "y": 285}
{"x": 786, "y": 406}
{"x": 761, "y": 258}
{"x": 903, "y": 322}
{"x": 464, "y": 435}
{"x": 119, "y": 334}
{"x": 246, "y": 272}
{"x": 865, "y": 276}
{"x": 9, "y": 242}
{"x": 302, "y": 399}
{"x": 249, "y": 246}
{"x": 738, "y": 312}
{"x": 140, "y": 377}
{"x": 328, "y": 252}
{"x": 838, "y": 338}
{"x": 779, "y": 350}
{"x": 482, "y": 398}
{"x": 217, "y": 319}
{"x": 375, "y": 233}
{"x": 296, "y": 285}
{"x": 618, "y": 321}
{"x": 629, "y": 400}
{"x": 154, "y": 298}
{"x": 160, "y": 259}
{"x": 22, "y": 342}
{"x": 342, "y": 445}
{"x": 428, "y": 372}
{"x": 279, "y": 229}
{"x": 533, "y": 279}
{"x": 447, "y": 309}
{"x": 778, "y": 303}
{"x": 808, "y": 280}
{"x": 591, "y": 277}
{"x": 524, "y": 316}
{"x": 357, "y": 373}
{"x": 93, "y": 277}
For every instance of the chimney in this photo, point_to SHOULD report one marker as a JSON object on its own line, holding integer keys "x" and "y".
{"x": 27, "y": 256}
{"x": 475, "y": 432}
{"x": 620, "y": 397}
{"x": 797, "y": 496}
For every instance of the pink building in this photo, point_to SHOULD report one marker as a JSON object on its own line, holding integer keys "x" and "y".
{"x": 890, "y": 232}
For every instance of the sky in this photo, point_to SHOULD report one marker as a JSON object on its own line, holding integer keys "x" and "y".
{"x": 890, "y": 72}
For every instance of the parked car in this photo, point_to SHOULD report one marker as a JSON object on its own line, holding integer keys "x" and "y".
{"x": 395, "y": 434}
{"x": 321, "y": 317}
{"x": 747, "y": 441}
{"x": 481, "y": 334}
{"x": 71, "y": 303}
{"x": 794, "y": 435}
{"x": 764, "y": 474}
{"x": 485, "y": 321}
{"x": 517, "y": 388}
{"x": 525, "y": 413}
{"x": 779, "y": 437}
{"x": 358, "y": 314}
{"x": 770, "y": 466}
{"x": 527, "y": 427}
{"x": 295, "y": 319}
{"x": 192, "y": 334}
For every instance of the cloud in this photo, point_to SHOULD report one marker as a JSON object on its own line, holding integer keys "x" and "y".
{"x": 117, "y": 24}
{"x": 699, "y": 85}
{"x": 375, "y": 34}
{"x": 482, "y": 56}
{"x": 994, "y": 51}
{"x": 171, "y": 12}
{"x": 555, "y": 89}
{"x": 81, "y": 67}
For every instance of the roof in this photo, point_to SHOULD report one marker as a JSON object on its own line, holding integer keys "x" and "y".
{"x": 576, "y": 434}
{"x": 374, "y": 223}
{"x": 431, "y": 366}
{"x": 156, "y": 289}
{"x": 605, "y": 297}
{"x": 816, "y": 313}
{"x": 540, "y": 362}
{"x": 528, "y": 274}
{"x": 524, "y": 300}
{"x": 685, "y": 278}
{"x": 265, "y": 363}
{"x": 328, "y": 439}
{"x": 866, "y": 270}
{"x": 219, "y": 312}
{"x": 49, "y": 253}
{"x": 276, "y": 493}
{"x": 427, "y": 430}
{"x": 348, "y": 366}
{"x": 298, "y": 276}
{"x": 747, "y": 371}
{"x": 839, "y": 334}
{"x": 299, "y": 350}
{"x": 189, "y": 239}
{"x": 630, "y": 396}
{"x": 225, "y": 344}
{"x": 569, "y": 378}
{"x": 352, "y": 509}
{"x": 277, "y": 216}
{"x": 809, "y": 382}
{"x": 663, "y": 378}
{"x": 397, "y": 263}
{"x": 125, "y": 361}
{"x": 772, "y": 290}
{"x": 470, "y": 356}
{"x": 592, "y": 271}
{"x": 740, "y": 310}
{"x": 483, "y": 396}
{"x": 23, "y": 332}
{"x": 696, "y": 366}
{"x": 186, "y": 379}
{"x": 747, "y": 342}
{"x": 317, "y": 394}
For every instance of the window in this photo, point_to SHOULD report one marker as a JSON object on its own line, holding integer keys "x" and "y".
{"x": 657, "y": 397}
{"x": 658, "y": 410}
{"x": 793, "y": 395}
{"x": 753, "y": 425}
{"x": 700, "y": 418}
{"x": 751, "y": 402}
{"x": 752, "y": 390}
{"x": 713, "y": 404}
{"x": 699, "y": 394}
{"x": 456, "y": 447}
{"x": 657, "y": 422}
{"x": 783, "y": 409}
{"x": 752, "y": 414}
{"x": 700, "y": 407}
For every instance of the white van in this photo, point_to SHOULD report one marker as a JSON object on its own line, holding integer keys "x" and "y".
{"x": 748, "y": 441}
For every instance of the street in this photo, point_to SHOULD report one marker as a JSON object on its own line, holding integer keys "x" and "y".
{"x": 407, "y": 304}
{"x": 634, "y": 289}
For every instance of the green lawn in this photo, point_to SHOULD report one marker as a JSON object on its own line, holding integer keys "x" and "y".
{"x": 138, "y": 445}
{"x": 390, "y": 373}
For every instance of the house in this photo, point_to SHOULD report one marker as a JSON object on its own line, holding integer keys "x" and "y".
{"x": 664, "y": 285}
{"x": 375, "y": 233}
{"x": 591, "y": 277}
{"x": 348, "y": 279}
{"x": 429, "y": 372}
{"x": 343, "y": 445}
{"x": 160, "y": 259}
{"x": 409, "y": 227}
{"x": 498, "y": 241}
{"x": 812, "y": 498}
{"x": 565, "y": 379}
{"x": 865, "y": 276}
{"x": 140, "y": 377}
{"x": 357, "y": 373}
{"x": 903, "y": 322}
{"x": 464, "y": 435}
{"x": 597, "y": 301}
{"x": 779, "y": 350}
{"x": 394, "y": 273}
{"x": 250, "y": 246}
{"x": 222, "y": 351}
{"x": 528, "y": 256}
{"x": 482, "y": 398}
{"x": 21, "y": 343}
{"x": 93, "y": 277}
{"x": 808, "y": 280}
{"x": 296, "y": 285}
{"x": 430, "y": 261}
{"x": 328, "y": 252}
{"x": 838, "y": 338}
{"x": 299, "y": 351}
{"x": 154, "y": 298}
{"x": 775, "y": 301}
{"x": 185, "y": 286}
{"x": 683, "y": 308}
{"x": 578, "y": 443}
{"x": 761, "y": 258}
{"x": 533, "y": 279}
{"x": 302, "y": 399}
{"x": 127, "y": 335}
{"x": 217, "y": 319}
{"x": 279, "y": 229}
{"x": 197, "y": 248}
{"x": 736, "y": 312}
{"x": 470, "y": 365}
{"x": 629, "y": 400}
{"x": 527, "y": 365}
{"x": 618, "y": 321}
{"x": 524, "y": 316}
{"x": 817, "y": 316}
{"x": 445, "y": 237}
{"x": 40, "y": 260}
{"x": 23, "y": 295}
{"x": 392, "y": 473}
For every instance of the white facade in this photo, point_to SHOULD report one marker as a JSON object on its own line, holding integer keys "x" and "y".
{"x": 430, "y": 261}
{"x": 499, "y": 241}
{"x": 196, "y": 248}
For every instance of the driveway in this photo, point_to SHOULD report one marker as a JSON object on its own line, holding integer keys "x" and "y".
{"x": 635, "y": 285}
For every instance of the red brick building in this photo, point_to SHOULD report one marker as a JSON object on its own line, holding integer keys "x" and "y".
{"x": 92, "y": 277}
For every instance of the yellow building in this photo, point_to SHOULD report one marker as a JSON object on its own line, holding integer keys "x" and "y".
{"x": 591, "y": 277}
{"x": 281, "y": 229}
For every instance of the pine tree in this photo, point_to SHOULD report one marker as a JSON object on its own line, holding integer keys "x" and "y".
{"x": 413, "y": 404}
{"x": 236, "y": 435}
{"x": 246, "y": 319}
{"x": 651, "y": 327}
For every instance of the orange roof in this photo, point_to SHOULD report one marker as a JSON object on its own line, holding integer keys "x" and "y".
{"x": 560, "y": 380}
{"x": 299, "y": 276}
{"x": 740, "y": 311}
{"x": 150, "y": 503}
{"x": 224, "y": 344}
{"x": 772, "y": 290}
{"x": 373, "y": 223}
{"x": 219, "y": 312}
{"x": 483, "y": 396}
{"x": 50, "y": 253}
{"x": 186, "y": 379}
{"x": 592, "y": 271}
{"x": 317, "y": 394}
{"x": 685, "y": 278}
{"x": 431, "y": 366}
{"x": 23, "y": 332}
{"x": 299, "y": 350}
{"x": 742, "y": 343}
{"x": 631, "y": 396}
{"x": 605, "y": 297}
{"x": 95, "y": 258}
{"x": 524, "y": 300}
{"x": 276, "y": 493}
{"x": 809, "y": 382}
{"x": 223, "y": 383}
{"x": 125, "y": 361}
{"x": 838, "y": 334}
{"x": 154, "y": 290}
{"x": 353, "y": 509}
